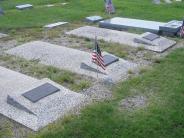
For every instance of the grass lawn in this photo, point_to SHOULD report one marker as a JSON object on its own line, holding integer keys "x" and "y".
{"x": 76, "y": 10}
{"x": 162, "y": 117}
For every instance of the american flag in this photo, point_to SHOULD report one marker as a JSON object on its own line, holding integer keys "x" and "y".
{"x": 182, "y": 30}
{"x": 97, "y": 56}
{"x": 109, "y": 6}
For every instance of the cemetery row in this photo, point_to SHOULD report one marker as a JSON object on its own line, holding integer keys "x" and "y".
{"x": 36, "y": 103}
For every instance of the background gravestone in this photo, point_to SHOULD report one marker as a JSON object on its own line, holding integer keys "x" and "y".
{"x": 156, "y": 1}
{"x": 1, "y": 11}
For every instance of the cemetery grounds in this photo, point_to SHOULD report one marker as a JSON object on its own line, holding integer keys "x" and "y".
{"x": 158, "y": 84}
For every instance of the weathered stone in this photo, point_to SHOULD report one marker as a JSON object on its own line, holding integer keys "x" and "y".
{"x": 93, "y": 19}
{"x": 24, "y": 6}
{"x": 155, "y": 43}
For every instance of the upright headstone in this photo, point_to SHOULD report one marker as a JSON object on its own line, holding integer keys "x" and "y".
{"x": 156, "y": 1}
{"x": 1, "y": 11}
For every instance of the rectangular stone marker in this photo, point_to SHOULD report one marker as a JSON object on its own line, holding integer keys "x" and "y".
{"x": 71, "y": 59}
{"x": 154, "y": 42}
{"x": 93, "y": 19}
{"x": 171, "y": 28}
{"x": 109, "y": 59}
{"x": 40, "y": 92}
{"x": 151, "y": 36}
{"x": 121, "y": 37}
{"x": 119, "y": 23}
{"x": 49, "y": 26}
{"x": 39, "y": 114}
{"x": 24, "y": 6}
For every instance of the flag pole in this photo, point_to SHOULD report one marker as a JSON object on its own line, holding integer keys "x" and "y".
{"x": 96, "y": 51}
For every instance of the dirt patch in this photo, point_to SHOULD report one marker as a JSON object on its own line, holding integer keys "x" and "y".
{"x": 98, "y": 92}
{"x": 134, "y": 102}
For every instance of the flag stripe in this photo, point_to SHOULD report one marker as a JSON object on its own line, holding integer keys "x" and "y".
{"x": 182, "y": 30}
{"x": 97, "y": 56}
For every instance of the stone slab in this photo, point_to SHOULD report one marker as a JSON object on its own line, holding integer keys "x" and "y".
{"x": 24, "y": 6}
{"x": 71, "y": 59}
{"x": 151, "y": 37}
{"x": 120, "y": 37}
{"x": 93, "y": 19}
{"x": 53, "y": 25}
{"x": 119, "y": 23}
{"x": 158, "y": 43}
{"x": 40, "y": 92}
{"x": 171, "y": 27}
{"x": 34, "y": 115}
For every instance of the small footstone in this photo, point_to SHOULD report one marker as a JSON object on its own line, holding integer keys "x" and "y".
{"x": 53, "y": 25}
{"x": 93, "y": 19}
{"x": 23, "y": 7}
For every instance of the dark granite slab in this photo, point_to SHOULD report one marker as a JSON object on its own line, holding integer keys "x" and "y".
{"x": 108, "y": 59}
{"x": 40, "y": 92}
{"x": 151, "y": 37}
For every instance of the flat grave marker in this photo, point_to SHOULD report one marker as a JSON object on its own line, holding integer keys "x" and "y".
{"x": 53, "y": 25}
{"x": 40, "y": 92}
{"x": 71, "y": 59}
{"x": 24, "y": 6}
{"x": 93, "y": 19}
{"x": 38, "y": 114}
{"x": 120, "y": 37}
{"x": 155, "y": 42}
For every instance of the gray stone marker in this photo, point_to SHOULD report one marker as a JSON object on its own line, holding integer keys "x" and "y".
{"x": 53, "y": 25}
{"x": 171, "y": 28}
{"x": 93, "y": 19}
{"x": 168, "y": 1}
{"x": 24, "y": 6}
{"x": 87, "y": 67}
{"x": 71, "y": 59}
{"x": 119, "y": 23}
{"x": 1, "y": 11}
{"x": 156, "y": 1}
{"x": 40, "y": 92}
{"x": 155, "y": 42}
{"x": 39, "y": 114}
{"x": 120, "y": 37}
{"x": 109, "y": 59}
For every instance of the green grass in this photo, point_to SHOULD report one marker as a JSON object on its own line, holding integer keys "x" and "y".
{"x": 161, "y": 118}
{"x": 76, "y": 10}
{"x": 33, "y": 68}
